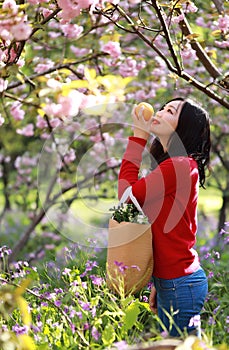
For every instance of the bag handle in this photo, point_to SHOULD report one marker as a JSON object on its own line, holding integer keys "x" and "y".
{"x": 128, "y": 194}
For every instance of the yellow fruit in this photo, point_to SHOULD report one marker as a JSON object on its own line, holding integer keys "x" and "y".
{"x": 148, "y": 110}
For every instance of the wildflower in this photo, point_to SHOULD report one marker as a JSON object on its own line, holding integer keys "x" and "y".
{"x": 211, "y": 274}
{"x": 85, "y": 306}
{"x": 20, "y": 329}
{"x": 216, "y": 310}
{"x": 79, "y": 314}
{"x": 164, "y": 334}
{"x": 144, "y": 299}
{"x": 58, "y": 303}
{"x": 194, "y": 321}
{"x": 95, "y": 333}
{"x": 4, "y": 250}
{"x": 66, "y": 272}
{"x": 86, "y": 326}
{"x": 121, "y": 345}
{"x": 121, "y": 266}
{"x": 217, "y": 254}
{"x": 211, "y": 320}
{"x": 96, "y": 280}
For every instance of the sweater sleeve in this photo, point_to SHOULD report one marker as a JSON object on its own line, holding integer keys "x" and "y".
{"x": 131, "y": 163}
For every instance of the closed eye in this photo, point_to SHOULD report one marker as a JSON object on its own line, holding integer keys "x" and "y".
{"x": 170, "y": 110}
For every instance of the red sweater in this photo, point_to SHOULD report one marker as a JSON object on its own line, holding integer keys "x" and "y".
{"x": 168, "y": 196}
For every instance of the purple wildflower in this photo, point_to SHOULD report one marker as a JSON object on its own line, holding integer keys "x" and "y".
{"x": 20, "y": 329}
{"x": 96, "y": 280}
{"x": 121, "y": 345}
{"x": 79, "y": 314}
{"x": 211, "y": 320}
{"x": 85, "y": 306}
{"x": 216, "y": 310}
{"x": 4, "y": 250}
{"x": 121, "y": 266}
{"x": 194, "y": 321}
{"x": 95, "y": 333}
{"x": 57, "y": 303}
{"x": 211, "y": 274}
{"x": 86, "y": 326}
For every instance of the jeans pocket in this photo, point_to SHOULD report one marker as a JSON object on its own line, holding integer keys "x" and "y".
{"x": 198, "y": 292}
{"x": 166, "y": 285}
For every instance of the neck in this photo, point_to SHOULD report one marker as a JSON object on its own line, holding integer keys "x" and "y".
{"x": 164, "y": 142}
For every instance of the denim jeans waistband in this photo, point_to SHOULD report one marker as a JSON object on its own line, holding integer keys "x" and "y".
{"x": 175, "y": 282}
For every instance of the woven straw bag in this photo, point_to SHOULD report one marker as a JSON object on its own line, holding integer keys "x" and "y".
{"x": 129, "y": 253}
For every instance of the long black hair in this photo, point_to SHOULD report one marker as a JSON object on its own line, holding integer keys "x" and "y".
{"x": 191, "y": 138}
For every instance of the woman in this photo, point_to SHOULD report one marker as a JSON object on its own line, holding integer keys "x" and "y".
{"x": 168, "y": 196}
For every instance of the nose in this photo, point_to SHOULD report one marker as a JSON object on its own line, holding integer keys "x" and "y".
{"x": 158, "y": 114}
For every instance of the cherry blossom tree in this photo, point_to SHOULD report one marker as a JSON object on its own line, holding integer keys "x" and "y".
{"x": 70, "y": 71}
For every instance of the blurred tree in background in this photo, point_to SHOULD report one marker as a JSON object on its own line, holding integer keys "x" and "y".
{"x": 69, "y": 74}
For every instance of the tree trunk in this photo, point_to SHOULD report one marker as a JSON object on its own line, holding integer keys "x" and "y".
{"x": 223, "y": 210}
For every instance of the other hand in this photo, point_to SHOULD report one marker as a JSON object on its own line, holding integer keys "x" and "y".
{"x": 153, "y": 300}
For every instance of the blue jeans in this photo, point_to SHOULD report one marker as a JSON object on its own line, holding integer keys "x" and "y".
{"x": 182, "y": 298}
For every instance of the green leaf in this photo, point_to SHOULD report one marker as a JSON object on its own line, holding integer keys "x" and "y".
{"x": 130, "y": 318}
{"x": 108, "y": 335}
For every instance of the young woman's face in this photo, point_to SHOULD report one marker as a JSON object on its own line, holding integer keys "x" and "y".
{"x": 165, "y": 121}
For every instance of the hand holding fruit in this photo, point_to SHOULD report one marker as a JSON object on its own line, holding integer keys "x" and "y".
{"x": 146, "y": 108}
{"x": 142, "y": 114}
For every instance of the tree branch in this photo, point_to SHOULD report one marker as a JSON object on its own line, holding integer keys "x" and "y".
{"x": 201, "y": 54}
{"x": 219, "y": 6}
{"x": 53, "y": 69}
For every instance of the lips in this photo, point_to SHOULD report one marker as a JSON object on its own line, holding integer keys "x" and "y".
{"x": 155, "y": 121}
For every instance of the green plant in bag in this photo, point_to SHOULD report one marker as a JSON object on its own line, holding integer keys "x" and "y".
{"x": 128, "y": 213}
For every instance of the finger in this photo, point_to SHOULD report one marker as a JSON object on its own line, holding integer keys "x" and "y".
{"x": 154, "y": 310}
{"x": 133, "y": 112}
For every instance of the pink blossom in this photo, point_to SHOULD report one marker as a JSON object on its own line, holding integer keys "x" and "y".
{"x": 72, "y": 31}
{"x": 178, "y": 19}
{"x": 35, "y": 2}
{"x": 224, "y": 23}
{"x": 188, "y": 54}
{"x": 1, "y": 120}
{"x": 113, "y": 48}
{"x": 2, "y": 55}
{"x": 69, "y": 9}
{"x": 21, "y": 31}
{"x": 16, "y": 111}
{"x": 134, "y": 2}
{"x": 190, "y": 7}
{"x": 78, "y": 51}
{"x": 54, "y": 84}
{"x": 6, "y": 35}
{"x": 44, "y": 66}
{"x": 3, "y": 84}
{"x": 10, "y": 5}
{"x": 26, "y": 131}
{"x": 70, "y": 156}
{"x": 46, "y": 12}
{"x": 55, "y": 122}
{"x": 41, "y": 122}
{"x": 70, "y": 104}
{"x": 222, "y": 44}
{"x": 129, "y": 68}
{"x": 52, "y": 109}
